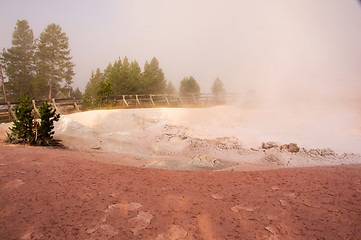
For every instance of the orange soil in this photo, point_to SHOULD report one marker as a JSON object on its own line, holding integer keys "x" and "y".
{"x": 62, "y": 194}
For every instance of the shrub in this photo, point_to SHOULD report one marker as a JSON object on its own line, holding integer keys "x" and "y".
{"x": 28, "y": 130}
{"x": 44, "y": 133}
{"x": 23, "y": 129}
{"x": 103, "y": 93}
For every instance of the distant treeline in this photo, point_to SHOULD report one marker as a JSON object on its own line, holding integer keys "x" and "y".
{"x": 124, "y": 77}
{"x": 127, "y": 78}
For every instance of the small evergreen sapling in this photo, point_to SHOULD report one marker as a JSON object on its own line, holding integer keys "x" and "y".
{"x": 28, "y": 130}
{"x": 45, "y": 129}
{"x": 22, "y": 131}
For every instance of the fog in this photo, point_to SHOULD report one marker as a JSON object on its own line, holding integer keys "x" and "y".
{"x": 302, "y": 46}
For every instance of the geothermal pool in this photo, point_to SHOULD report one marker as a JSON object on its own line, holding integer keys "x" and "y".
{"x": 230, "y": 133}
{"x": 109, "y": 129}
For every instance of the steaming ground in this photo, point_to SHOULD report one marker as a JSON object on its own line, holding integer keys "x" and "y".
{"x": 221, "y": 137}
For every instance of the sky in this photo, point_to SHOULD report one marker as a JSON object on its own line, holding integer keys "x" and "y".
{"x": 272, "y": 47}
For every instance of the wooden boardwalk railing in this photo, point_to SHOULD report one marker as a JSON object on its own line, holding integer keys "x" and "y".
{"x": 69, "y": 105}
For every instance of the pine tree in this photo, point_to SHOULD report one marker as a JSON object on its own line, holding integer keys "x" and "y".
{"x": 107, "y": 72}
{"x": 69, "y": 81}
{"x": 45, "y": 131}
{"x": 189, "y": 86}
{"x": 77, "y": 93}
{"x": 217, "y": 87}
{"x": 103, "y": 92}
{"x": 93, "y": 84}
{"x": 22, "y": 130}
{"x": 218, "y": 91}
{"x": 18, "y": 61}
{"x": 146, "y": 77}
{"x": 26, "y": 130}
{"x": 135, "y": 78}
{"x": 153, "y": 78}
{"x": 115, "y": 77}
{"x": 91, "y": 89}
{"x": 53, "y": 58}
{"x": 170, "y": 88}
{"x": 124, "y": 81}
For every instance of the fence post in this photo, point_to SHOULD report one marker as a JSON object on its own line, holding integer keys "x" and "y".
{"x": 136, "y": 98}
{"x": 11, "y": 113}
{"x": 125, "y": 101}
{"x": 194, "y": 98}
{"x": 151, "y": 99}
{"x": 76, "y": 105}
{"x": 35, "y": 109}
{"x": 166, "y": 99}
{"x": 180, "y": 99}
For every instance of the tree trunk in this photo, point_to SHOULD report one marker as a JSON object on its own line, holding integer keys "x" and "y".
{"x": 51, "y": 80}
{"x": 50, "y": 86}
{"x": 3, "y": 83}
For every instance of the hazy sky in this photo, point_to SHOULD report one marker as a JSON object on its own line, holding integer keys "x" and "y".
{"x": 313, "y": 45}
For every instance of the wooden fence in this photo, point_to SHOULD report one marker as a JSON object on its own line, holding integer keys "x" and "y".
{"x": 70, "y": 105}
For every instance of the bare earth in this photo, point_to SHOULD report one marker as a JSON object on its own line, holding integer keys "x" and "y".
{"x": 64, "y": 194}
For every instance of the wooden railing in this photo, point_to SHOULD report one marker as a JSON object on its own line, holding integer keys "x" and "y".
{"x": 69, "y": 105}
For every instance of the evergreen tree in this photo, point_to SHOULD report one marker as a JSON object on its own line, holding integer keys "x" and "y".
{"x": 47, "y": 118}
{"x": 170, "y": 88}
{"x": 146, "y": 77}
{"x": 53, "y": 59}
{"x": 115, "y": 77}
{"x": 93, "y": 84}
{"x": 124, "y": 80}
{"x": 153, "y": 78}
{"x": 135, "y": 78}
{"x": 77, "y": 93}
{"x": 189, "y": 86}
{"x": 22, "y": 130}
{"x": 107, "y": 72}
{"x": 69, "y": 81}
{"x": 103, "y": 92}
{"x": 91, "y": 89}
{"x": 217, "y": 87}
{"x": 18, "y": 61}
{"x": 26, "y": 130}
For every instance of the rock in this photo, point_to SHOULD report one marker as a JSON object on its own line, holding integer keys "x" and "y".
{"x": 140, "y": 222}
{"x": 92, "y": 230}
{"x": 271, "y": 229}
{"x": 292, "y": 147}
{"x": 282, "y": 202}
{"x": 175, "y": 232}
{"x": 131, "y": 206}
{"x": 108, "y": 230}
{"x": 217, "y": 196}
{"x": 237, "y": 208}
{"x": 204, "y": 161}
{"x": 269, "y": 145}
{"x": 284, "y": 147}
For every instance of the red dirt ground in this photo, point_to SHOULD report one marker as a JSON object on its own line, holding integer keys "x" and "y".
{"x": 63, "y": 194}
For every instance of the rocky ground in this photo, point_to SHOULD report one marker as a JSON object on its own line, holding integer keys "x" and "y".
{"x": 65, "y": 194}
